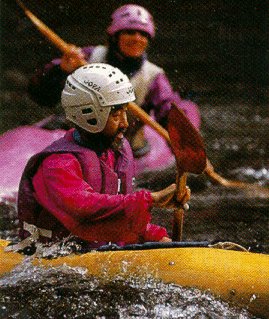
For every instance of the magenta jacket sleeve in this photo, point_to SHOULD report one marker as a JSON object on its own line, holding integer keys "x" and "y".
{"x": 159, "y": 98}
{"x": 60, "y": 188}
{"x": 154, "y": 233}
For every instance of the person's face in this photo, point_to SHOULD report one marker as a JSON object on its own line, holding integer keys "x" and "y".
{"x": 116, "y": 125}
{"x": 132, "y": 43}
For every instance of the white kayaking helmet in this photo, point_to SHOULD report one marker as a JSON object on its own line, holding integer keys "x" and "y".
{"x": 91, "y": 91}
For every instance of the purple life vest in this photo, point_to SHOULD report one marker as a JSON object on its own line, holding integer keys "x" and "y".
{"x": 102, "y": 179}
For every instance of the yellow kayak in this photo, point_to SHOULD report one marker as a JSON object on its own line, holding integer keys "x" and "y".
{"x": 241, "y": 278}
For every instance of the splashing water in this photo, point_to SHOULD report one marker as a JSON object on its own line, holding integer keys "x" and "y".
{"x": 65, "y": 292}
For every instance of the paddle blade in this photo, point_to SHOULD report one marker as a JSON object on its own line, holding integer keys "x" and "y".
{"x": 186, "y": 143}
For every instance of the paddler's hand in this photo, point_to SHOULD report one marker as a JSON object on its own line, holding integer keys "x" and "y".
{"x": 165, "y": 240}
{"x": 184, "y": 198}
{"x": 164, "y": 194}
{"x": 72, "y": 60}
{"x": 170, "y": 200}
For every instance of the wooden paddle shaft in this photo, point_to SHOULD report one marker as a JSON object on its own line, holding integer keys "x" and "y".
{"x": 45, "y": 30}
{"x": 178, "y": 220}
{"x": 145, "y": 118}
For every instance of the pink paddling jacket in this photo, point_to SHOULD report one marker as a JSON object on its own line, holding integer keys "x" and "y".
{"x": 69, "y": 189}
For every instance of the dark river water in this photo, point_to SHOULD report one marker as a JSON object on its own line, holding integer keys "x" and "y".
{"x": 218, "y": 49}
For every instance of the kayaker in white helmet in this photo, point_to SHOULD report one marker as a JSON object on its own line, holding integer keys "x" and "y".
{"x": 129, "y": 34}
{"x": 82, "y": 184}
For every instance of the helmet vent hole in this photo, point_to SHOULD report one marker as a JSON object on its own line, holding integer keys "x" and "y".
{"x": 70, "y": 85}
{"x": 87, "y": 111}
{"x": 92, "y": 121}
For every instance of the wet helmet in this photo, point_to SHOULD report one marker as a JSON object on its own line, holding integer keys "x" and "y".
{"x": 91, "y": 91}
{"x": 134, "y": 17}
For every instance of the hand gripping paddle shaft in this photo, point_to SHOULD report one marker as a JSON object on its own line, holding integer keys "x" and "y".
{"x": 189, "y": 151}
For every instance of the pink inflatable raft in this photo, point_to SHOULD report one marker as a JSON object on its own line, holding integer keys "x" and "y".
{"x": 19, "y": 144}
